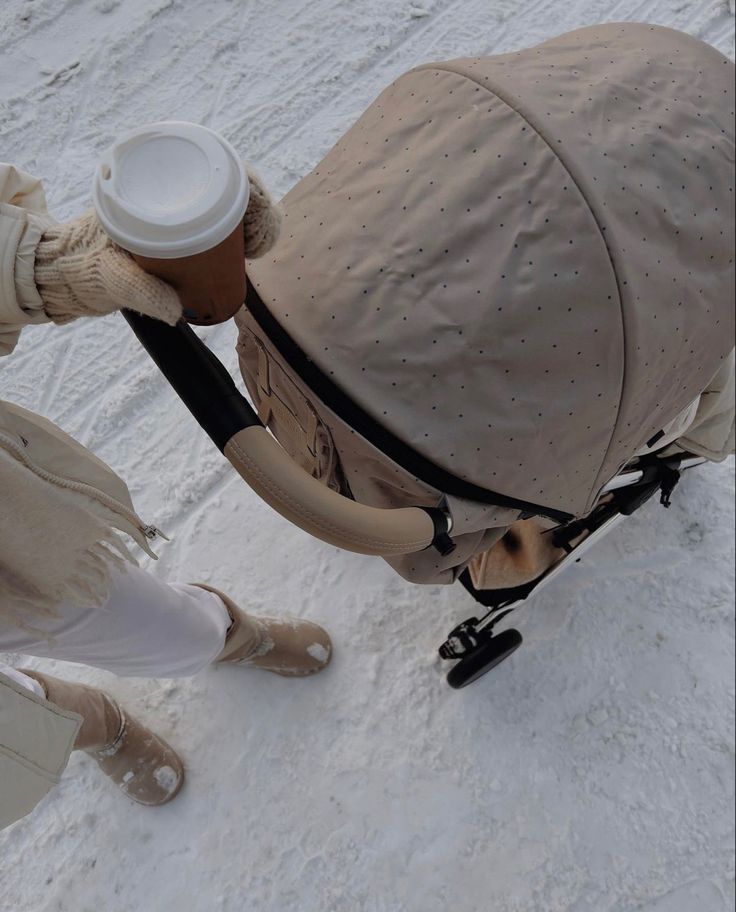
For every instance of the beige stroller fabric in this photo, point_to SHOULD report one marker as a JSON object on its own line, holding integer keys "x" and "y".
{"x": 329, "y": 449}
{"x": 521, "y": 266}
{"x": 520, "y": 556}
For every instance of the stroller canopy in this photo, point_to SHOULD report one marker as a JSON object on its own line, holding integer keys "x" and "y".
{"x": 521, "y": 266}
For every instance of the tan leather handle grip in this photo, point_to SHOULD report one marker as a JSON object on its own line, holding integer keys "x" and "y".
{"x": 315, "y": 508}
{"x": 228, "y": 418}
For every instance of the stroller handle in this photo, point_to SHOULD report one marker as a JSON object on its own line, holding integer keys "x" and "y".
{"x": 208, "y": 391}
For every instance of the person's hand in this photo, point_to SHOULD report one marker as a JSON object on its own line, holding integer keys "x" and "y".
{"x": 262, "y": 221}
{"x": 81, "y": 272}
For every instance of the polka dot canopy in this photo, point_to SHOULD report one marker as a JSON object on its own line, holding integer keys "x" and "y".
{"x": 522, "y": 265}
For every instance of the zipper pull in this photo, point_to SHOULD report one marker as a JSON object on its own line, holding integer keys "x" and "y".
{"x": 152, "y": 532}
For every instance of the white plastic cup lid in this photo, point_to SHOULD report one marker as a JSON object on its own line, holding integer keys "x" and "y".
{"x": 170, "y": 189}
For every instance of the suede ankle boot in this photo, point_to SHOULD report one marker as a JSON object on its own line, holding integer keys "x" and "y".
{"x": 138, "y": 761}
{"x": 286, "y": 646}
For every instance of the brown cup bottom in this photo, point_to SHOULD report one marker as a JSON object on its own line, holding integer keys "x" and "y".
{"x": 210, "y": 285}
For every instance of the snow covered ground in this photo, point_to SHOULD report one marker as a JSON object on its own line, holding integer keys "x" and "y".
{"x": 593, "y": 772}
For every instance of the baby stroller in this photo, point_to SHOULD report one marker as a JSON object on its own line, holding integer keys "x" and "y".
{"x": 498, "y": 320}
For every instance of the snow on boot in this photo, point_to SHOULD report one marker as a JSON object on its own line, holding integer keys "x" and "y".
{"x": 138, "y": 761}
{"x": 287, "y": 646}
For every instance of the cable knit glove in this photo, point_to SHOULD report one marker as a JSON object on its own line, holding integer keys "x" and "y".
{"x": 81, "y": 272}
{"x": 262, "y": 221}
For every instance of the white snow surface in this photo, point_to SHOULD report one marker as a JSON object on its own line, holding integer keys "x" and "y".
{"x": 592, "y": 772}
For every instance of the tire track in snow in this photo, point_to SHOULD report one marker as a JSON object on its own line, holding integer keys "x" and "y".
{"x": 60, "y": 11}
{"x": 89, "y": 72}
{"x": 227, "y": 75}
{"x": 381, "y": 59}
{"x": 55, "y": 385}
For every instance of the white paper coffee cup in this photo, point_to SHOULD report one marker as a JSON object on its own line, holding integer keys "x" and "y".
{"x": 170, "y": 189}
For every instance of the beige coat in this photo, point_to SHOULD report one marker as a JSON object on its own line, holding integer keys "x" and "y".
{"x": 58, "y": 501}
{"x": 36, "y": 738}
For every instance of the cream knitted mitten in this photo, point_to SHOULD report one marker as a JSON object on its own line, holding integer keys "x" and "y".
{"x": 262, "y": 221}
{"x": 81, "y": 272}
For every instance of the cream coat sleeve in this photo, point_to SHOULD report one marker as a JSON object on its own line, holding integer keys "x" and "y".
{"x": 36, "y": 737}
{"x": 23, "y": 219}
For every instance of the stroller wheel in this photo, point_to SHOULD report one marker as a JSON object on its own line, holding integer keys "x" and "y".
{"x": 489, "y": 654}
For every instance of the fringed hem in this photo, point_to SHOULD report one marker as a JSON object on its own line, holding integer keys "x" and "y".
{"x": 88, "y": 585}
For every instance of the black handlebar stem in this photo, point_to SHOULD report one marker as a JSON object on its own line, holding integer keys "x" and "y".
{"x": 198, "y": 377}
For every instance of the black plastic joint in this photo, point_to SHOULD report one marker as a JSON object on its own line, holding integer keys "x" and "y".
{"x": 670, "y": 478}
{"x": 441, "y": 522}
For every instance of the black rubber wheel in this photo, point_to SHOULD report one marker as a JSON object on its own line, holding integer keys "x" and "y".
{"x": 484, "y": 658}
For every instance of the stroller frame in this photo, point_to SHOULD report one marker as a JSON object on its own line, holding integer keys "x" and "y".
{"x": 474, "y": 641}
{"x": 208, "y": 391}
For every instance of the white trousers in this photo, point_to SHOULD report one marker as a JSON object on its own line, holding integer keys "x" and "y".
{"x": 146, "y": 628}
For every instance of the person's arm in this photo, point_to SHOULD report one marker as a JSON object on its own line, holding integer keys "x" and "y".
{"x": 51, "y": 271}
{"x": 23, "y": 219}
